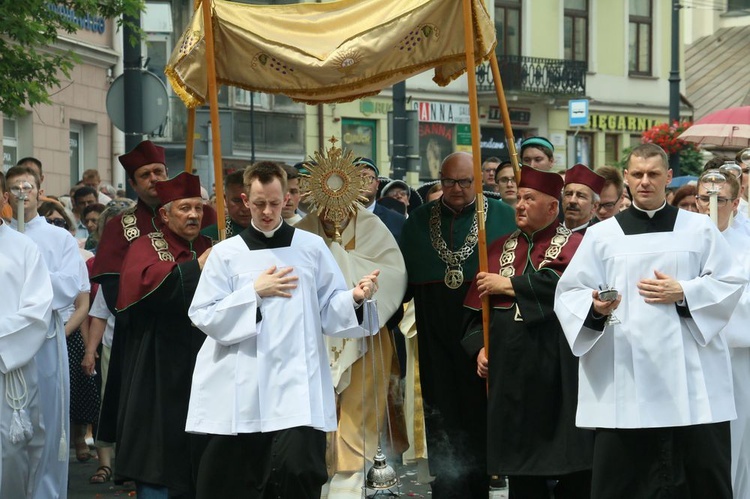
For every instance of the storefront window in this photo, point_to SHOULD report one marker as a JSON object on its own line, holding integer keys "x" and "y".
{"x": 10, "y": 143}
{"x": 359, "y": 136}
{"x": 435, "y": 143}
{"x": 580, "y": 149}
{"x": 271, "y": 132}
{"x": 611, "y": 148}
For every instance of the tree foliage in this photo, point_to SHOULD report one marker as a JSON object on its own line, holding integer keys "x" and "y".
{"x": 30, "y": 65}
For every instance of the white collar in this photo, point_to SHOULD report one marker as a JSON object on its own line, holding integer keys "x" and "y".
{"x": 268, "y": 233}
{"x": 650, "y": 213}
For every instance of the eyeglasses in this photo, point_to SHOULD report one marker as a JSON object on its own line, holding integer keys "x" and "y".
{"x": 57, "y": 222}
{"x": 119, "y": 204}
{"x": 720, "y": 201}
{"x": 463, "y": 183}
{"x": 368, "y": 179}
{"x": 506, "y": 180}
{"x": 607, "y": 206}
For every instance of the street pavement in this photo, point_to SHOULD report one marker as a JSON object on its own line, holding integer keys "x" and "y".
{"x": 80, "y": 488}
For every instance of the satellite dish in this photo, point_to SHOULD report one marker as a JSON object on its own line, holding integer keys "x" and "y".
{"x": 155, "y": 102}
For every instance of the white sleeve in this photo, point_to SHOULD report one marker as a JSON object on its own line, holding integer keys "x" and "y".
{"x": 24, "y": 328}
{"x": 337, "y": 314}
{"x": 99, "y": 307}
{"x": 66, "y": 278}
{"x": 225, "y": 314}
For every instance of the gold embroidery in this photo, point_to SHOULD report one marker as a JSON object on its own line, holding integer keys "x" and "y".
{"x": 559, "y": 240}
{"x": 129, "y": 225}
{"x": 161, "y": 246}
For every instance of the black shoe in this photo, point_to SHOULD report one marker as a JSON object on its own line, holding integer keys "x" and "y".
{"x": 498, "y": 482}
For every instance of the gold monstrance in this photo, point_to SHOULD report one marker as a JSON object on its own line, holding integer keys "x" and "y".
{"x": 334, "y": 185}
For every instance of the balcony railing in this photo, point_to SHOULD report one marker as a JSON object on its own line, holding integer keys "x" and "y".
{"x": 535, "y": 75}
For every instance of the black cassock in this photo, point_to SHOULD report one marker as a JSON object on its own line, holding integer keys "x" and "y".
{"x": 158, "y": 353}
{"x": 533, "y": 375}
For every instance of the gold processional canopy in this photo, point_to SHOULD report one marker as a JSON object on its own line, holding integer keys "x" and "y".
{"x": 327, "y": 52}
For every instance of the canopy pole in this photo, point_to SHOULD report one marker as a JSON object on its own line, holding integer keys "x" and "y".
{"x": 509, "y": 139}
{"x": 190, "y": 140}
{"x": 477, "y": 155}
{"x": 190, "y": 136}
{"x": 213, "y": 99}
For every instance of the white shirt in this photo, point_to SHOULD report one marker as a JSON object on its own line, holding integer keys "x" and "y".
{"x": 100, "y": 310}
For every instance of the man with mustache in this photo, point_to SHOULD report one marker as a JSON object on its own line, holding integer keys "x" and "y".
{"x": 580, "y": 198}
{"x": 159, "y": 277}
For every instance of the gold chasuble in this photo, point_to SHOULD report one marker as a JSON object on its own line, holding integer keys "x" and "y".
{"x": 327, "y": 52}
{"x": 366, "y": 245}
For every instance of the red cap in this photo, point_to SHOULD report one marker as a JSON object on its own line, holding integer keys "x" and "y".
{"x": 547, "y": 182}
{"x": 582, "y": 174}
{"x": 184, "y": 185}
{"x": 145, "y": 153}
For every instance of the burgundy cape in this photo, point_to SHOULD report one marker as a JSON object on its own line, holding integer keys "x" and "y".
{"x": 533, "y": 375}
{"x": 158, "y": 347}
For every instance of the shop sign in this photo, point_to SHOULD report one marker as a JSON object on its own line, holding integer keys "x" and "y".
{"x": 463, "y": 135}
{"x": 621, "y": 122}
{"x": 87, "y": 22}
{"x": 517, "y": 115}
{"x": 368, "y": 107}
{"x": 442, "y": 112}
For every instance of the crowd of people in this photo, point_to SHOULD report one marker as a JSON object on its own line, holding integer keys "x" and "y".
{"x": 282, "y": 352}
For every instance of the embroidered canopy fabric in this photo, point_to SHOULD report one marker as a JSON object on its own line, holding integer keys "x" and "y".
{"x": 327, "y": 52}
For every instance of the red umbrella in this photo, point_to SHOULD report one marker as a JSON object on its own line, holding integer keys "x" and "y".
{"x": 728, "y": 128}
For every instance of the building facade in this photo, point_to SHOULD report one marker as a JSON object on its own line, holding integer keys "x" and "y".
{"x": 72, "y": 133}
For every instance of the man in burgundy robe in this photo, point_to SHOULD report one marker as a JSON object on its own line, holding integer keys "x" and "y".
{"x": 533, "y": 375}
{"x": 159, "y": 276}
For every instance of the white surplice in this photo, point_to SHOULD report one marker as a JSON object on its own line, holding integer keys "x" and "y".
{"x": 60, "y": 253}
{"x": 271, "y": 375}
{"x": 26, "y": 310}
{"x": 656, "y": 368}
{"x": 737, "y": 334}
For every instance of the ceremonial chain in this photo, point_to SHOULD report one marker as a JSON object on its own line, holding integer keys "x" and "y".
{"x": 228, "y": 230}
{"x": 508, "y": 257}
{"x": 454, "y": 274}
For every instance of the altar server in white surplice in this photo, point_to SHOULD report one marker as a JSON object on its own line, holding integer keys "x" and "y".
{"x": 26, "y": 309}
{"x": 737, "y": 332}
{"x": 657, "y": 386}
{"x": 63, "y": 260}
{"x": 262, "y": 386}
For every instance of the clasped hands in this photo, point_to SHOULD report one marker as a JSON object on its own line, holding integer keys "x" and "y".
{"x": 662, "y": 289}
{"x": 280, "y": 282}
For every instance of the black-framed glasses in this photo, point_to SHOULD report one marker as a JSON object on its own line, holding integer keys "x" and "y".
{"x": 57, "y": 222}
{"x": 720, "y": 201}
{"x": 506, "y": 180}
{"x": 463, "y": 183}
{"x": 607, "y": 206}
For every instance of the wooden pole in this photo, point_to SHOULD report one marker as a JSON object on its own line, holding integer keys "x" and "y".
{"x": 511, "y": 141}
{"x": 477, "y": 155}
{"x": 190, "y": 140}
{"x": 213, "y": 99}
{"x": 190, "y": 135}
